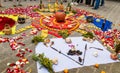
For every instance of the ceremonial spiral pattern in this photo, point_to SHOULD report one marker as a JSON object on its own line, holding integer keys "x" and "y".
{"x": 50, "y": 23}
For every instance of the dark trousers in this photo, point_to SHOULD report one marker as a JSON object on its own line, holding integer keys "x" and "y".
{"x": 93, "y": 3}
{"x": 74, "y": 0}
{"x": 79, "y": 1}
{"x": 102, "y": 2}
{"x": 88, "y": 2}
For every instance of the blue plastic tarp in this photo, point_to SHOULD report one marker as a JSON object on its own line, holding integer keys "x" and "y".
{"x": 107, "y": 26}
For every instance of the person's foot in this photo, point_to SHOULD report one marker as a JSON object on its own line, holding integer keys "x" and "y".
{"x": 87, "y": 5}
{"x": 94, "y": 8}
{"x": 91, "y": 6}
{"x": 71, "y": 3}
{"x": 76, "y": 3}
{"x": 101, "y": 5}
{"x": 65, "y": 1}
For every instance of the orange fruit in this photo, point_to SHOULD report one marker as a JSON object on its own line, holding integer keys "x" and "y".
{"x": 103, "y": 72}
{"x": 65, "y": 70}
{"x": 96, "y": 65}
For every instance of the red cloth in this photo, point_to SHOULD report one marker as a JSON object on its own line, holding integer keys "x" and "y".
{"x": 6, "y": 20}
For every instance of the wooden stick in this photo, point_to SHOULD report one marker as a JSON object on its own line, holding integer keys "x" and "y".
{"x": 66, "y": 56}
{"x": 84, "y": 55}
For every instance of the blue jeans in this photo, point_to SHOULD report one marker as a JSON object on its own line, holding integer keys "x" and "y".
{"x": 97, "y": 4}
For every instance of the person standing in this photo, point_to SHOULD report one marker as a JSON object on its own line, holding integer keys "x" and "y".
{"x": 87, "y": 2}
{"x": 97, "y": 3}
{"x": 102, "y": 2}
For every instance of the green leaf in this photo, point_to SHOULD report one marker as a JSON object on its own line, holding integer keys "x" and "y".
{"x": 44, "y": 61}
{"x": 37, "y": 39}
{"x": 63, "y": 33}
{"x": 88, "y": 35}
{"x": 35, "y": 58}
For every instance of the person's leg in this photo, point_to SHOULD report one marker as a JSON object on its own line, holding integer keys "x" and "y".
{"x": 0, "y": 3}
{"x": 102, "y": 2}
{"x": 73, "y": 0}
{"x": 97, "y": 4}
{"x": 64, "y": 0}
{"x": 89, "y": 2}
{"x": 19, "y": 1}
{"x": 15, "y": 3}
{"x": 78, "y": 1}
{"x": 93, "y": 2}
{"x": 81, "y": 1}
{"x": 86, "y": 2}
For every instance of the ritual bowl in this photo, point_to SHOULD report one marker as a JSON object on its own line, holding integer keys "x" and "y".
{"x": 21, "y": 20}
{"x": 60, "y": 16}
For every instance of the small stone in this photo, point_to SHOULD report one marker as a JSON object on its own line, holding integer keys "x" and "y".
{"x": 95, "y": 54}
{"x": 55, "y": 61}
{"x": 8, "y": 64}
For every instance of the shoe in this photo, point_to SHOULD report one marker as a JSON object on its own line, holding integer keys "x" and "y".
{"x": 71, "y": 3}
{"x": 76, "y": 3}
{"x": 91, "y": 6}
{"x": 65, "y": 1}
{"x": 87, "y": 5}
{"x": 94, "y": 8}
